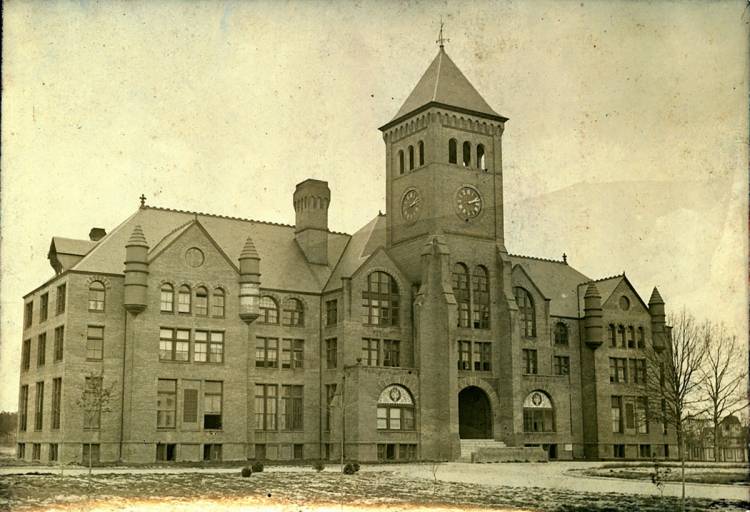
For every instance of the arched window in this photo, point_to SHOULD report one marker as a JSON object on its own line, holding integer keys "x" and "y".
{"x": 420, "y": 145}
{"x": 293, "y": 313}
{"x": 411, "y": 158}
{"x": 269, "y": 310}
{"x": 400, "y": 161}
{"x": 481, "y": 304}
{"x": 467, "y": 154}
{"x": 461, "y": 292}
{"x": 453, "y": 151}
{"x": 561, "y": 334}
{"x": 380, "y": 301}
{"x": 217, "y": 304}
{"x": 395, "y": 409}
{"x": 631, "y": 336}
{"x": 621, "y": 332}
{"x": 167, "y": 298}
{"x": 201, "y": 301}
{"x": 538, "y": 413}
{"x": 641, "y": 338}
{"x": 526, "y": 313}
{"x": 612, "y": 336}
{"x": 480, "y": 157}
{"x": 96, "y": 296}
{"x": 183, "y": 299}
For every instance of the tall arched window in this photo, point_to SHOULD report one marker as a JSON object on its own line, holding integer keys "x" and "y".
{"x": 269, "y": 310}
{"x": 380, "y": 300}
{"x": 631, "y": 336}
{"x": 481, "y": 303}
{"x": 201, "y": 301}
{"x": 480, "y": 157}
{"x": 411, "y": 158}
{"x": 96, "y": 296}
{"x": 453, "y": 151}
{"x": 526, "y": 313}
{"x": 183, "y": 299}
{"x": 167, "y": 298}
{"x": 218, "y": 303}
{"x": 612, "y": 335}
{"x": 400, "y": 161}
{"x": 294, "y": 314}
{"x": 621, "y": 333}
{"x": 395, "y": 409}
{"x": 420, "y": 145}
{"x": 461, "y": 293}
{"x": 467, "y": 154}
{"x": 538, "y": 413}
{"x": 561, "y": 334}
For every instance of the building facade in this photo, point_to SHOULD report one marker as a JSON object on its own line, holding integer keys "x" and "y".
{"x": 188, "y": 336}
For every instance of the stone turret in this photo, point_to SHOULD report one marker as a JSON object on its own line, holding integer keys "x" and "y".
{"x": 658, "y": 319}
{"x": 249, "y": 282}
{"x": 136, "y": 272}
{"x": 592, "y": 319}
{"x": 311, "y": 200}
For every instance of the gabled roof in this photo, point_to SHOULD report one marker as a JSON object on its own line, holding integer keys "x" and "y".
{"x": 445, "y": 85}
{"x": 362, "y": 244}
{"x": 282, "y": 264}
{"x": 557, "y": 281}
{"x": 607, "y": 287}
{"x": 71, "y": 246}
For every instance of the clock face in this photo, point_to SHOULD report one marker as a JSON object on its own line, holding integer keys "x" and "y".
{"x": 411, "y": 205}
{"x": 468, "y": 203}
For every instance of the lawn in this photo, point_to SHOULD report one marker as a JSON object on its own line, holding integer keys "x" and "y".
{"x": 301, "y": 490}
{"x": 694, "y": 473}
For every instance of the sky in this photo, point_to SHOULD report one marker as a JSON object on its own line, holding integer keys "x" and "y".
{"x": 626, "y": 146}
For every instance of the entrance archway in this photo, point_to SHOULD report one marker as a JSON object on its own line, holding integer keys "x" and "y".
{"x": 474, "y": 414}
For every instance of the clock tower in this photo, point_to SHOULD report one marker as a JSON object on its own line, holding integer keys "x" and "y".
{"x": 443, "y": 164}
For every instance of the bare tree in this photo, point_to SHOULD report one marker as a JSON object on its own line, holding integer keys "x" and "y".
{"x": 674, "y": 380}
{"x": 723, "y": 377}
{"x": 95, "y": 400}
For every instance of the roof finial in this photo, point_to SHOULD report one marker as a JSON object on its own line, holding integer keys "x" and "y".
{"x": 143, "y": 200}
{"x": 565, "y": 258}
{"x": 442, "y": 40}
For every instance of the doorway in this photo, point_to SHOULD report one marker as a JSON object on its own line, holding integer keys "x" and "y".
{"x": 474, "y": 414}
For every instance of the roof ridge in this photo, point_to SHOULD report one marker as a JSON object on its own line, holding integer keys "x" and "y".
{"x": 561, "y": 262}
{"x": 608, "y": 277}
{"x": 219, "y": 216}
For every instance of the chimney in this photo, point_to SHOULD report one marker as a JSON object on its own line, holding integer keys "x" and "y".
{"x": 311, "y": 200}
{"x": 96, "y": 234}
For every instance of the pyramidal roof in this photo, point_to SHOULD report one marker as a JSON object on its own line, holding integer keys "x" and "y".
{"x": 444, "y": 84}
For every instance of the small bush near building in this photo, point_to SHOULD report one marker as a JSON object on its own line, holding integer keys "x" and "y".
{"x": 318, "y": 466}
{"x": 246, "y": 472}
{"x": 350, "y": 469}
{"x": 257, "y": 467}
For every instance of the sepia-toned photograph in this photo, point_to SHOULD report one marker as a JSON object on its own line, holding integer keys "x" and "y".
{"x": 407, "y": 255}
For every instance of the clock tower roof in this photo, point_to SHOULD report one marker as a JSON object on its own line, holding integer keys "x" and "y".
{"x": 443, "y": 84}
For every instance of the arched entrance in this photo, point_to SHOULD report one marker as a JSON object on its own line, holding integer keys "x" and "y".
{"x": 474, "y": 414}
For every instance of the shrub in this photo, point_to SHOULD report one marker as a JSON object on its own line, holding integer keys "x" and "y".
{"x": 246, "y": 472}
{"x": 318, "y": 466}
{"x": 356, "y": 467}
{"x": 257, "y": 467}
{"x": 351, "y": 468}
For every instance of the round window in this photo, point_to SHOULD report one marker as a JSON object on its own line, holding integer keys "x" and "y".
{"x": 624, "y": 303}
{"x": 194, "y": 257}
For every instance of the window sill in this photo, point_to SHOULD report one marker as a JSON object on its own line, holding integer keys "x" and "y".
{"x": 173, "y": 361}
{"x": 92, "y": 360}
{"x": 96, "y": 311}
{"x": 394, "y": 431}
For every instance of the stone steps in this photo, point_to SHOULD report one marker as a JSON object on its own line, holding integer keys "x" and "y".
{"x": 469, "y": 446}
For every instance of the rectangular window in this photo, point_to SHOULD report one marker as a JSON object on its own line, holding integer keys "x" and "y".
{"x": 174, "y": 344}
{"x": 190, "y": 406}
{"x": 370, "y": 352}
{"x": 529, "y": 361}
{"x": 330, "y": 394}
{"x": 618, "y": 369}
{"x": 182, "y": 345}
{"x": 212, "y": 452}
{"x": 23, "y": 408}
{"x": 629, "y": 413}
{"x": 464, "y": 355}
{"x": 218, "y": 303}
{"x": 26, "y": 355}
{"x": 631, "y": 337}
{"x": 216, "y": 347}
{"x": 482, "y": 356}
{"x": 641, "y": 414}
{"x": 60, "y": 299}
{"x": 95, "y": 342}
{"x": 619, "y": 451}
{"x": 201, "y": 302}
{"x": 41, "y": 349}
{"x": 21, "y": 451}
{"x": 53, "y": 452}
{"x": 39, "y": 410}
{"x": 562, "y": 365}
{"x": 290, "y": 412}
{"x": 200, "y": 347}
{"x": 644, "y": 451}
{"x": 617, "y": 414}
{"x": 90, "y": 453}
{"x": 332, "y": 317}
{"x": 298, "y": 451}
{"x": 391, "y": 353}
{"x": 292, "y": 353}
{"x": 612, "y": 336}
{"x": 166, "y": 403}
{"x": 92, "y": 393}
{"x": 664, "y": 418}
{"x": 36, "y": 451}
{"x": 265, "y": 406}
{"x": 212, "y": 398}
{"x": 43, "y": 307}
{"x": 56, "y": 401}
{"x": 28, "y": 313}
{"x": 331, "y": 353}
{"x": 59, "y": 342}
{"x": 266, "y": 352}
{"x": 165, "y": 452}
{"x": 638, "y": 371}
{"x": 641, "y": 338}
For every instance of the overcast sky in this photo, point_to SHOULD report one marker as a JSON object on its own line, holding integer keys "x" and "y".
{"x": 626, "y": 145}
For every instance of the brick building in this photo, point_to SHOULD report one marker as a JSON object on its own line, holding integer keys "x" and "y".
{"x": 226, "y": 338}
